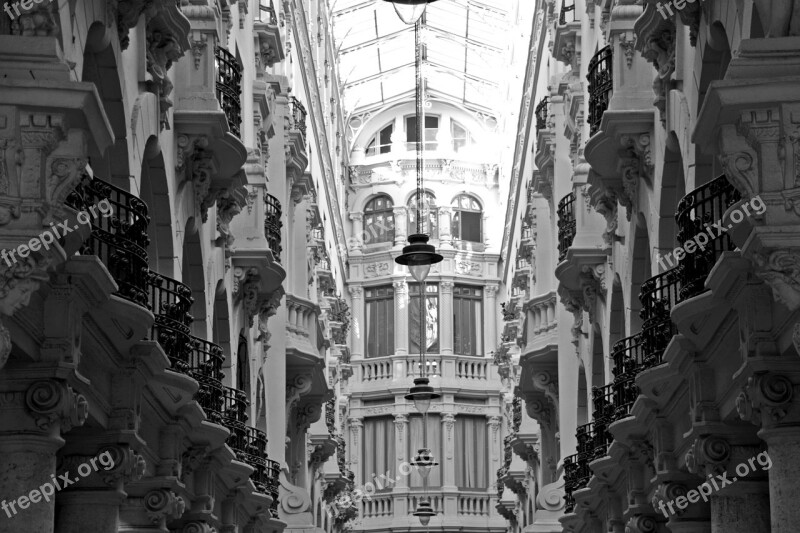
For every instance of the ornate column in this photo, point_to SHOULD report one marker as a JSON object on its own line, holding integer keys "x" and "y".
{"x": 356, "y": 242}
{"x": 495, "y": 445}
{"x": 692, "y": 519}
{"x": 32, "y": 417}
{"x": 490, "y": 314}
{"x": 94, "y": 504}
{"x": 359, "y": 328}
{"x": 401, "y": 300}
{"x": 401, "y": 438}
{"x": 354, "y": 449}
{"x": 446, "y": 317}
{"x": 445, "y": 235}
{"x": 768, "y": 401}
{"x": 742, "y": 506}
{"x": 401, "y": 228}
{"x": 448, "y": 449}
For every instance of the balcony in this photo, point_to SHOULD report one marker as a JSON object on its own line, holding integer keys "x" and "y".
{"x": 566, "y": 225}
{"x": 696, "y": 212}
{"x": 576, "y": 476}
{"x": 542, "y": 114}
{"x": 601, "y": 86}
{"x": 273, "y": 224}
{"x": 170, "y": 302}
{"x": 225, "y": 406}
{"x": 297, "y": 116}
{"x": 270, "y": 41}
{"x": 229, "y": 88}
{"x": 272, "y": 483}
{"x": 659, "y": 295}
{"x": 119, "y": 240}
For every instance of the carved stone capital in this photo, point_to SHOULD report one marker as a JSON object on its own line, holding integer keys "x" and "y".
{"x": 641, "y": 524}
{"x": 51, "y": 401}
{"x": 162, "y": 505}
{"x": 780, "y": 269}
{"x": 667, "y": 492}
{"x": 198, "y": 526}
{"x": 766, "y": 399}
{"x": 127, "y": 464}
{"x": 708, "y": 455}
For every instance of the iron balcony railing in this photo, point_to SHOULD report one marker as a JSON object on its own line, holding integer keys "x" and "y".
{"x": 119, "y": 237}
{"x": 659, "y": 295}
{"x": 271, "y": 483}
{"x": 567, "y": 12}
{"x": 516, "y": 414}
{"x": 250, "y": 446}
{"x": 170, "y": 301}
{"x": 696, "y": 213}
{"x": 601, "y": 86}
{"x": 330, "y": 417}
{"x": 229, "y": 88}
{"x": 566, "y": 224}
{"x": 541, "y": 114}
{"x": 273, "y": 224}
{"x": 225, "y": 406}
{"x": 576, "y": 475}
{"x": 297, "y": 113}
{"x": 266, "y": 13}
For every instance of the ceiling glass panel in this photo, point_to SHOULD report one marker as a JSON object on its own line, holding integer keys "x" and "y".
{"x": 467, "y": 42}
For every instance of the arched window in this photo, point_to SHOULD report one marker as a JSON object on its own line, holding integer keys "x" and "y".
{"x": 379, "y": 220}
{"x": 467, "y": 219}
{"x": 462, "y": 140}
{"x": 430, "y": 215}
{"x": 381, "y": 143}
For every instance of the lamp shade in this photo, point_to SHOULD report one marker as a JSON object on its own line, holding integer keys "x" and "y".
{"x": 424, "y": 512}
{"x": 424, "y": 461}
{"x": 422, "y": 394}
{"x": 410, "y": 2}
{"x": 417, "y": 255}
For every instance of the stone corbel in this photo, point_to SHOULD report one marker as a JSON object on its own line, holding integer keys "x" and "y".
{"x": 246, "y": 287}
{"x": 604, "y": 201}
{"x": 229, "y": 204}
{"x": 545, "y": 382}
{"x": 127, "y": 465}
{"x": 574, "y": 304}
{"x": 592, "y": 282}
{"x": 708, "y": 454}
{"x": 780, "y": 269}
{"x": 656, "y": 41}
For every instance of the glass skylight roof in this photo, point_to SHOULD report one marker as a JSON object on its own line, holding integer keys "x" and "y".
{"x": 467, "y": 41}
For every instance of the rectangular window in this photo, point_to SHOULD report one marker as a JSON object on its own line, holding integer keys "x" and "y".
{"x": 385, "y": 139}
{"x": 467, "y": 320}
{"x": 431, "y": 319}
{"x": 414, "y": 443}
{"x": 380, "y": 321}
{"x": 379, "y": 456}
{"x": 431, "y": 130}
{"x": 471, "y": 452}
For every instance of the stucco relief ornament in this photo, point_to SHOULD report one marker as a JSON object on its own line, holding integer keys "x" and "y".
{"x": 161, "y": 504}
{"x": 641, "y": 524}
{"x": 781, "y": 271}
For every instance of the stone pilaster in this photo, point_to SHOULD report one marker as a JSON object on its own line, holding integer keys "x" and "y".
{"x": 358, "y": 330}
{"x": 490, "y": 314}
{"x": 445, "y": 231}
{"x": 448, "y": 449}
{"x": 401, "y": 229}
{"x": 401, "y": 439}
{"x": 446, "y": 317}
{"x": 401, "y": 300}
{"x": 356, "y": 242}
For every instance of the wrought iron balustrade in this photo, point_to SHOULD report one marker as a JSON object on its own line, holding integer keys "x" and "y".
{"x": 272, "y": 483}
{"x": 119, "y": 237}
{"x": 628, "y": 355}
{"x": 659, "y": 295}
{"x": 297, "y": 113}
{"x": 601, "y": 86}
{"x": 576, "y": 475}
{"x": 542, "y": 111}
{"x": 229, "y": 88}
{"x": 225, "y": 406}
{"x": 516, "y": 414}
{"x": 330, "y": 416}
{"x": 205, "y": 360}
{"x": 170, "y": 301}
{"x": 696, "y": 213}
{"x": 604, "y": 403}
{"x": 273, "y": 224}
{"x": 567, "y": 12}
{"x": 522, "y": 263}
{"x": 527, "y": 232}
{"x": 567, "y": 225}
{"x": 250, "y": 446}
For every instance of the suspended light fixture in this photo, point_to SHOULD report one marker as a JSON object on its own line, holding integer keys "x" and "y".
{"x": 422, "y": 394}
{"x": 410, "y": 2}
{"x": 424, "y": 511}
{"x": 424, "y": 461}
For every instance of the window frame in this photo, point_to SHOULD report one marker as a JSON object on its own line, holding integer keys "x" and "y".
{"x": 457, "y": 220}
{"x": 432, "y": 222}
{"x": 467, "y": 139}
{"x": 476, "y": 337}
{"x": 430, "y": 140}
{"x": 370, "y": 220}
{"x": 432, "y": 291}
{"x": 376, "y": 146}
{"x": 371, "y": 295}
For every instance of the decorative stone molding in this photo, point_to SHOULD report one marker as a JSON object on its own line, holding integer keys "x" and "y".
{"x": 198, "y": 526}
{"x": 246, "y": 287}
{"x": 641, "y": 524}
{"x": 551, "y": 497}
{"x": 495, "y": 422}
{"x": 780, "y": 269}
{"x": 51, "y": 401}
{"x": 666, "y": 492}
{"x": 162, "y": 505}
{"x": 128, "y": 465}
{"x": 708, "y": 455}
{"x": 574, "y": 304}
{"x": 656, "y": 42}
{"x": 540, "y": 410}
{"x": 545, "y": 382}
{"x": 766, "y": 399}
{"x": 293, "y": 499}
{"x": 374, "y": 270}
